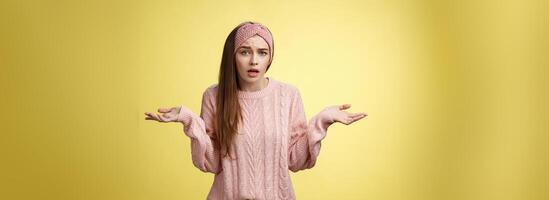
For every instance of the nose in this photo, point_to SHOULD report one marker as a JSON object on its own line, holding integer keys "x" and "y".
{"x": 253, "y": 60}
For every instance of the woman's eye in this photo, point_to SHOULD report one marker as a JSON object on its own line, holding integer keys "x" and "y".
{"x": 246, "y": 52}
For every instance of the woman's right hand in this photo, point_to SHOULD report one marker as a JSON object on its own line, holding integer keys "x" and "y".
{"x": 167, "y": 114}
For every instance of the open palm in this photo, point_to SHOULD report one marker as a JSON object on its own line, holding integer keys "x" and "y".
{"x": 338, "y": 114}
{"x": 167, "y": 114}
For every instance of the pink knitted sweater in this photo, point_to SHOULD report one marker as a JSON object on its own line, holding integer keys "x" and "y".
{"x": 273, "y": 138}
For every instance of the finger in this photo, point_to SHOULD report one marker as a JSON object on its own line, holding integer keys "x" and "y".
{"x": 358, "y": 115}
{"x": 159, "y": 117}
{"x": 346, "y": 120}
{"x": 163, "y": 110}
{"x": 349, "y": 122}
{"x": 344, "y": 106}
{"x": 358, "y": 118}
{"x": 150, "y": 115}
{"x": 162, "y": 118}
{"x": 153, "y": 117}
{"x": 167, "y": 116}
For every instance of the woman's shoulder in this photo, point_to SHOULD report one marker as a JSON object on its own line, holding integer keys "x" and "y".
{"x": 212, "y": 87}
{"x": 287, "y": 87}
{"x": 210, "y": 91}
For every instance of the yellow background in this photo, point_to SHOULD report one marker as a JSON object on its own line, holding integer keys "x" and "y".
{"x": 456, "y": 93}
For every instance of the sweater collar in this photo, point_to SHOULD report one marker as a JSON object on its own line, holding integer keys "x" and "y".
{"x": 259, "y": 93}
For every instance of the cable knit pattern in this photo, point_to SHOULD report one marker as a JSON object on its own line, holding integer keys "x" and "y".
{"x": 273, "y": 139}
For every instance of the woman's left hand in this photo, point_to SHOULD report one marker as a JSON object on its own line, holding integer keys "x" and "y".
{"x": 337, "y": 114}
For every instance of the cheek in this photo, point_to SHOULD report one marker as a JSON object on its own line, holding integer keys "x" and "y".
{"x": 239, "y": 68}
{"x": 240, "y": 62}
{"x": 266, "y": 58}
{"x": 237, "y": 59}
{"x": 265, "y": 61}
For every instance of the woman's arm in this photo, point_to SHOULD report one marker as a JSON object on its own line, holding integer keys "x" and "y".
{"x": 201, "y": 131}
{"x": 306, "y": 137}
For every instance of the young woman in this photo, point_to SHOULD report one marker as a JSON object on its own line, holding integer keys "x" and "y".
{"x": 252, "y": 129}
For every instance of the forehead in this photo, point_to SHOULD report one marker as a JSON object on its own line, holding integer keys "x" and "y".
{"x": 256, "y": 42}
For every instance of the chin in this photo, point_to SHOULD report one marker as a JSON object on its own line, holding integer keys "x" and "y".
{"x": 252, "y": 79}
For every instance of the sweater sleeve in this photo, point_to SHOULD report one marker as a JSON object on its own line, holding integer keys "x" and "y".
{"x": 305, "y": 137}
{"x": 201, "y": 131}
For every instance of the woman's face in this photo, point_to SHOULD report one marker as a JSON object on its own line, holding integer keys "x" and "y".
{"x": 252, "y": 58}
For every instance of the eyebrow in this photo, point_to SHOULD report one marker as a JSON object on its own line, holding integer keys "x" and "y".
{"x": 248, "y": 47}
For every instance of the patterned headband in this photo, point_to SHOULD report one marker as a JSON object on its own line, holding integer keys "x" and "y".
{"x": 249, "y": 30}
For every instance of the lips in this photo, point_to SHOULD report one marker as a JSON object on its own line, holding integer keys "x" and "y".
{"x": 253, "y": 73}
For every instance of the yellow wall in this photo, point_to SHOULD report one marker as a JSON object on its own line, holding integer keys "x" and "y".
{"x": 456, "y": 95}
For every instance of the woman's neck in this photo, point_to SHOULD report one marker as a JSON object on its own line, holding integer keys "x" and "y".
{"x": 256, "y": 86}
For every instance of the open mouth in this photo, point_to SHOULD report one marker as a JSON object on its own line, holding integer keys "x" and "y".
{"x": 253, "y": 72}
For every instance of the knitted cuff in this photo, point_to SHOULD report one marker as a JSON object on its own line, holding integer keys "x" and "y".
{"x": 185, "y": 116}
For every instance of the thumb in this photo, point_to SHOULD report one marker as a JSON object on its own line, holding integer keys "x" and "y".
{"x": 177, "y": 108}
{"x": 163, "y": 110}
{"x": 344, "y": 106}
